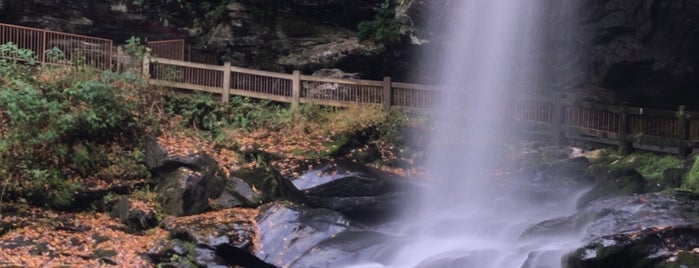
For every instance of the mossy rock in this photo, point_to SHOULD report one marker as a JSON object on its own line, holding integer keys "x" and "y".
{"x": 617, "y": 182}
{"x": 683, "y": 259}
{"x": 262, "y": 179}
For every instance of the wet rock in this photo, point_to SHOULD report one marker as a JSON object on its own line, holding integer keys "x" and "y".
{"x": 544, "y": 173}
{"x": 617, "y": 215}
{"x": 353, "y": 189}
{"x": 156, "y": 154}
{"x": 237, "y": 193}
{"x": 195, "y": 239}
{"x": 616, "y": 182}
{"x": 649, "y": 247}
{"x": 294, "y": 236}
{"x": 135, "y": 218}
{"x": 260, "y": 178}
{"x": 186, "y": 184}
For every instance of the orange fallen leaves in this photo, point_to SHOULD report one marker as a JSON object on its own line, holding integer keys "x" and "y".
{"x": 75, "y": 240}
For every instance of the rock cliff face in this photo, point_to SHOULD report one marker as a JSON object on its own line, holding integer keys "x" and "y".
{"x": 111, "y": 19}
{"x": 645, "y": 52}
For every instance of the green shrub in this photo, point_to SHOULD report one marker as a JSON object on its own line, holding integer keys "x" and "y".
{"x": 691, "y": 180}
{"x": 59, "y": 133}
{"x": 383, "y": 28}
{"x": 201, "y": 112}
{"x": 15, "y": 61}
{"x": 650, "y": 165}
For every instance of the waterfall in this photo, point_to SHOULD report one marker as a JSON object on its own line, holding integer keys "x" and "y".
{"x": 493, "y": 51}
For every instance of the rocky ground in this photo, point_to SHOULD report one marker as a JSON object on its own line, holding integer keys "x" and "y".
{"x": 132, "y": 230}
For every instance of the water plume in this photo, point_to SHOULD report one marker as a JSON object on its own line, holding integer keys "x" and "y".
{"x": 493, "y": 52}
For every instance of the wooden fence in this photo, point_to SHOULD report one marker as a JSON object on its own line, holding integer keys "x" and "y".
{"x": 626, "y": 127}
{"x": 76, "y": 49}
{"x": 178, "y": 49}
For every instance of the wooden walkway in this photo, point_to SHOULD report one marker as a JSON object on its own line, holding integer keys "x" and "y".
{"x": 675, "y": 131}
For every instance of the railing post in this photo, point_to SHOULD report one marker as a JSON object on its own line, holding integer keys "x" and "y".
{"x": 43, "y": 47}
{"x": 558, "y": 118}
{"x": 295, "y": 89}
{"x": 386, "y": 100}
{"x": 145, "y": 67}
{"x": 682, "y": 132}
{"x": 226, "y": 93}
{"x": 625, "y": 146}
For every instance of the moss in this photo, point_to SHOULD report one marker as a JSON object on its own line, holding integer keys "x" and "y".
{"x": 650, "y": 165}
{"x": 683, "y": 259}
{"x": 691, "y": 180}
{"x": 261, "y": 178}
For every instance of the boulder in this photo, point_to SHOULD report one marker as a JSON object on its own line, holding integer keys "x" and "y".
{"x": 237, "y": 193}
{"x": 358, "y": 191}
{"x": 605, "y": 217}
{"x": 294, "y": 236}
{"x": 215, "y": 239}
{"x": 136, "y": 217}
{"x": 268, "y": 181}
{"x": 666, "y": 246}
{"x": 187, "y": 184}
{"x": 616, "y": 182}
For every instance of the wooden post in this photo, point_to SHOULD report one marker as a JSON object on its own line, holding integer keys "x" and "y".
{"x": 42, "y": 50}
{"x": 625, "y": 146}
{"x": 145, "y": 67}
{"x": 226, "y": 93}
{"x": 558, "y": 117}
{"x": 189, "y": 52}
{"x": 682, "y": 132}
{"x": 386, "y": 100}
{"x": 295, "y": 89}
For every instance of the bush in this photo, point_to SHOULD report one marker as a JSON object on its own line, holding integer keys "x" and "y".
{"x": 691, "y": 180}
{"x": 57, "y": 133}
{"x": 206, "y": 114}
{"x": 383, "y": 28}
{"x": 650, "y": 165}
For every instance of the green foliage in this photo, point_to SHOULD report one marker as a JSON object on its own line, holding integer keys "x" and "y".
{"x": 691, "y": 180}
{"x": 54, "y": 54}
{"x": 201, "y": 13}
{"x": 59, "y": 132}
{"x": 206, "y": 114}
{"x": 10, "y": 57}
{"x": 383, "y": 28}
{"x": 650, "y": 165}
{"x": 135, "y": 47}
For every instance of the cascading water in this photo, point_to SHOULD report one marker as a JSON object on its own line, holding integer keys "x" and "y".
{"x": 471, "y": 218}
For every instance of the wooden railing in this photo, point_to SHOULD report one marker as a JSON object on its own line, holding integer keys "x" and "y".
{"x": 626, "y": 127}
{"x": 167, "y": 49}
{"x": 178, "y": 49}
{"x": 77, "y": 49}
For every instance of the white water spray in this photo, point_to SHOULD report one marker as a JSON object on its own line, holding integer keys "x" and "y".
{"x": 469, "y": 219}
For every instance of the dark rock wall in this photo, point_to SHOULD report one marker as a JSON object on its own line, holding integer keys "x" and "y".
{"x": 643, "y": 52}
{"x": 111, "y": 19}
{"x": 647, "y": 51}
